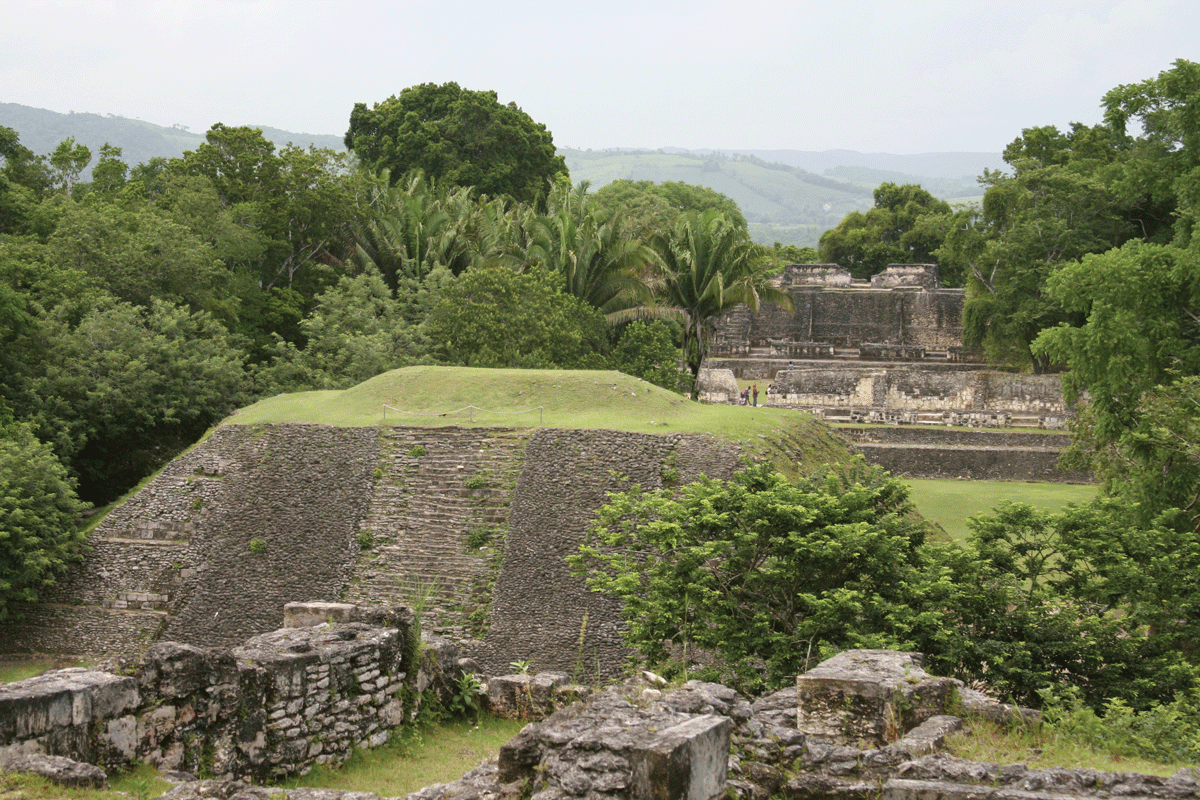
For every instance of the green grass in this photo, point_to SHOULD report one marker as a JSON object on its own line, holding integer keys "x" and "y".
{"x": 1041, "y": 748}
{"x": 20, "y": 669}
{"x": 950, "y": 502}
{"x": 419, "y": 759}
{"x": 139, "y": 783}
{"x": 579, "y": 399}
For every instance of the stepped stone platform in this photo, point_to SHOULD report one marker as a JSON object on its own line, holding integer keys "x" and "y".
{"x": 917, "y": 452}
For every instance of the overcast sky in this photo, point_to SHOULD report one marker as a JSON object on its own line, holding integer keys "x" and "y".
{"x": 886, "y": 76}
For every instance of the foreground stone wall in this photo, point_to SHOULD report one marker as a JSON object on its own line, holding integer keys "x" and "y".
{"x": 277, "y": 705}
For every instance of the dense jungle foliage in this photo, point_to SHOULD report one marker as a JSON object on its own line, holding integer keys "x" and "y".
{"x": 139, "y": 308}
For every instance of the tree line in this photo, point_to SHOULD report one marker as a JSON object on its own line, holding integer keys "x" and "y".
{"x": 141, "y": 307}
{"x": 1082, "y": 260}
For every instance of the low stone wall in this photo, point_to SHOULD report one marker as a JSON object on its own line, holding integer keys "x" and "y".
{"x": 953, "y": 437}
{"x": 921, "y": 390}
{"x": 280, "y": 703}
{"x": 1037, "y": 465}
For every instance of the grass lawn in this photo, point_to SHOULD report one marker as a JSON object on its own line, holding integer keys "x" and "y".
{"x": 950, "y": 502}
{"x": 416, "y": 758}
{"x": 435, "y": 396}
{"x": 12, "y": 670}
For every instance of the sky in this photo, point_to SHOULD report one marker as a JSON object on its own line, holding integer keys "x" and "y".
{"x": 874, "y": 76}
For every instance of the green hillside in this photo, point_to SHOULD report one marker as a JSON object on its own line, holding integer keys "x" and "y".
{"x": 433, "y": 396}
{"x": 781, "y": 202}
{"x": 41, "y": 131}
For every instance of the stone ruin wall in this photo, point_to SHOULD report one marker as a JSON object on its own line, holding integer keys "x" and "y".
{"x": 922, "y": 390}
{"x": 276, "y": 705}
{"x": 175, "y": 561}
{"x": 902, "y": 306}
{"x": 566, "y": 478}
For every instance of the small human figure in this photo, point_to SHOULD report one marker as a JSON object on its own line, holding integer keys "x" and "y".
{"x": 791, "y": 366}
{"x": 756, "y": 394}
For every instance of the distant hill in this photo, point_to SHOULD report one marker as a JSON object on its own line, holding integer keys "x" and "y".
{"x": 789, "y": 196}
{"x": 781, "y": 196}
{"x": 42, "y": 130}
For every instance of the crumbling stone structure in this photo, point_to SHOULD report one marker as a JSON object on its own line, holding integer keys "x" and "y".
{"x": 276, "y": 705}
{"x": 902, "y": 306}
{"x": 211, "y": 551}
{"x": 863, "y": 725}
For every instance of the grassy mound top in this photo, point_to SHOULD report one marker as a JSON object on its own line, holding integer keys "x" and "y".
{"x": 580, "y": 399}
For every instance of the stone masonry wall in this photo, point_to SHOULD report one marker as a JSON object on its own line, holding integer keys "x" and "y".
{"x": 278, "y": 704}
{"x": 848, "y": 318}
{"x": 920, "y": 390}
{"x": 177, "y": 555}
{"x": 175, "y": 560}
{"x": 539, "y": 610}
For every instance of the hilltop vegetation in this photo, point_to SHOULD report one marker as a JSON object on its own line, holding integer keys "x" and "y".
{"x": 142, "y": 306}
{"x": 436, "y": 395}
{"x": 782, "y": 202}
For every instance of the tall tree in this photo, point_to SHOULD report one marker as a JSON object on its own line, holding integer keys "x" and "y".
{"x": 895, "y": 231}
{"x": 587, "y": 246}
{"x": 1054, "y": 208}
{"x": 68, "y": 160}
{"x": 495, "y": 317}
{"x": 38, "y": 515}
{"x": 460, "y": 137}
{"x": 707, "y": 265}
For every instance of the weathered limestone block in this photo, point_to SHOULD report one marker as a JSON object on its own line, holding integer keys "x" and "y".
{"x": 306, "y": 615}
{"x": 614, "y": 746}
{"x": 51, "y": 713}
{"x": 869, "y": 695}
{"x": 172, "y": 670}
{"x": 718, "y": 386}
{"x": 525, "y": 696}
{"x": 688, "y": 761}
{"x": 57, "y": 769}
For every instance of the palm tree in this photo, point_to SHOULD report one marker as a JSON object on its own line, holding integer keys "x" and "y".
{"x": 706, "y": 267}
{"x": 585, "y": 245}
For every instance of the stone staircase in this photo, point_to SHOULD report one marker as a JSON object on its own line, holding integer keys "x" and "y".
{"x": 435, "y": 531}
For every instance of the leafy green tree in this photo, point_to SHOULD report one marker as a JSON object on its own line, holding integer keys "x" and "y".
{"x": 140, "y": 256}
{"x": 110, "y": 173}
{"x": 413, "y": 228}
{"x": 302, "y": 202}
{"x": 125, "y": 389}
{"x": 893, "y": 232}
{"x": 459, "y": 137}
{"x": 586, "y": 245}
{"x": 1031, "y": 223}
{"x": 1162, "y": 171}
{"x": 707, "y": 265}
{"x": 758, "y": 569}
{"x": 39, "y": 515}
{"x": 647, "y": 350}
{"x": 1139, "y": 331}
{"x": 22, "y": 166}
{"x": 495, "y": 317}
{"x": 67, "y": 161}
{"x": 354, "y": 333}
{"x": 648, "y": 207}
